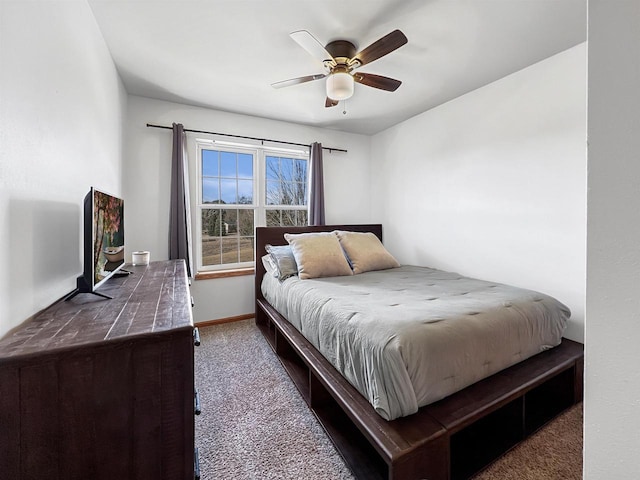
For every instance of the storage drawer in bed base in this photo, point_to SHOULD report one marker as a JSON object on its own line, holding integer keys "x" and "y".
{"x": 450, "y": 439}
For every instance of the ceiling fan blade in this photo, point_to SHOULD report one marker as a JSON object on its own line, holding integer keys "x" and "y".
{"x": 295, "y": 81}
{"x": 330, "y": 102}
{"x": 377, "y": 81}
{"x": 312, "y": 45}
{"x": 379, "y": 48}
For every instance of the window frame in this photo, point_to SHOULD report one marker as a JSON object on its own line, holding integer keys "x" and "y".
{"x": 259, "y": 201}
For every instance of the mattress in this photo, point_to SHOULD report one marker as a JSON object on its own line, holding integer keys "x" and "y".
{"x": 409, "y": 336}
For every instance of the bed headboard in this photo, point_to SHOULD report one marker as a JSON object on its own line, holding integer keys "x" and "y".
{"x": 275, "y": 236}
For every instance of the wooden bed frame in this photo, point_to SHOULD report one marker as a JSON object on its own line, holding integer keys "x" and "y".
{"x": 451, "y": 439}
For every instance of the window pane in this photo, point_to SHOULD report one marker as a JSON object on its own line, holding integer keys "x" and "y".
{"x": 229, "y": 236}
{"x": 286, "y": 193}
{"x": 211, "y": 224}
{"x": 273, "y": 193}
{"x": 229, "y": 222}
{"x": 273, "y": 167}
{"x": 210, "y": 163}
{"x": 302, "y": 218}
{"x": 273, "y": 218}
{"x": 245, "y": 165}
{"x": 246, "y": 249}
{"x": 245, "y": 192}
{"x": 211, "y": 251}
{"x": 300, "y": 172}
{"x": 210, "y": 190}
{"x": 210, "y": 237}
{"x": 228, "y": 164}
{"x": 300, "y": 196}
{"x": 288, "y": 218}
{"x": 286, "y": 169}
{"x": 230, "y": 249}
{"x": 292, "y": 193}
{"x": 228, "y": 190}
{"x": 245, "y": 223}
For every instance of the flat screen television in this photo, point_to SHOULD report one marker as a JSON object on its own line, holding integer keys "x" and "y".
{"x": 103, "y": 241}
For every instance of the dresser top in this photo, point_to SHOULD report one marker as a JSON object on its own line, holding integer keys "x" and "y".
{"x": 154, "y": 298}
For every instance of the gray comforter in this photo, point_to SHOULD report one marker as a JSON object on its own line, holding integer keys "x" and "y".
{"x": 409, "y": 336}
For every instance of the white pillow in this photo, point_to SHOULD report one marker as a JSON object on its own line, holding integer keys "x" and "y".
{"x": 269, "y": 265}
{"x": 318, "y": 255}
{"x": 365, "y": 251}
{"x": 282, "y": 260}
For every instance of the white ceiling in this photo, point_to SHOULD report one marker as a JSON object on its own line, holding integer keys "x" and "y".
{"x": 224, "y": 54}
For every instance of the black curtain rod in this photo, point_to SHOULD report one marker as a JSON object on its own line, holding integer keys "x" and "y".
{"x": 331, "y": 149}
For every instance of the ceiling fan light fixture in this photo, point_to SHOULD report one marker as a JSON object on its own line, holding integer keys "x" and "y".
{"x": 340, "y": 86}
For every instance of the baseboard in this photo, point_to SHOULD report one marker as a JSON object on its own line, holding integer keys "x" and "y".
{"x": 237, "y": 318}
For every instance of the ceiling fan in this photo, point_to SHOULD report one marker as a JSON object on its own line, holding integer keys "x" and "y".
{"x": 340, "y": 61}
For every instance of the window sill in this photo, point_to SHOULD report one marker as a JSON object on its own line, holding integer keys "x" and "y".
{"x": 224, "y": 273}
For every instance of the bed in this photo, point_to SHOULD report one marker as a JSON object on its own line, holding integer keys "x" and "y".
{"x": 450, "y": 434}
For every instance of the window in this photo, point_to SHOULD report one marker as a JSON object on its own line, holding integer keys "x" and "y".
{"x": 239, "y": 188}
{"x": 286, "y": 186}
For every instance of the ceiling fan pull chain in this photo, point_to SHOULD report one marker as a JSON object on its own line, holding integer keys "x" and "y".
{"x": 344, "y": 105}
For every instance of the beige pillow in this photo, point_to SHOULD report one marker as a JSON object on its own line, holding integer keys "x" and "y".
{"x": 318, "y": 255}
{"x": 365, "y": 251}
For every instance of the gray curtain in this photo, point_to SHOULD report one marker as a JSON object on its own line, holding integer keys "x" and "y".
{"x": 316, "y": 186}
{"x": 180, "y": 215}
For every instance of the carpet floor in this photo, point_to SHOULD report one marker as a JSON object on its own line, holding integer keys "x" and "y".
{"x": 255, "y": 425}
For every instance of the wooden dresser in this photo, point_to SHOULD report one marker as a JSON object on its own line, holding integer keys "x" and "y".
{"x": 103, "y": 389}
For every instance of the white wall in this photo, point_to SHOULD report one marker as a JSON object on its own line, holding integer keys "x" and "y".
{"x": 612, "y": 387}
{"x": 61, "y": 110}
{"x": 493, "y": 184}
{"x": 147, "y": 181}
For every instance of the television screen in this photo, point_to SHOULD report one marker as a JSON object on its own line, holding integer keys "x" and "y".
{"x": 103, "y": 242}
{"x": 108, "y": 235}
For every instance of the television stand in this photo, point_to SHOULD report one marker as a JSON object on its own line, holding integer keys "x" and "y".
{"x": 83, "y": 287}
{"x": 122, "y": 273}
{"x": 103, "y": 390}
{"x": 76, "y": 292}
